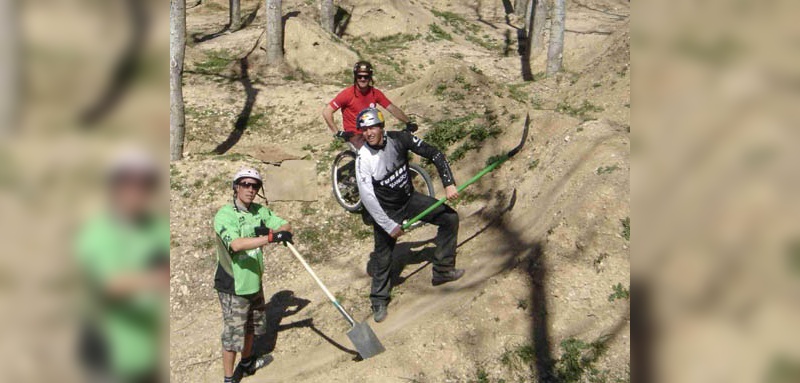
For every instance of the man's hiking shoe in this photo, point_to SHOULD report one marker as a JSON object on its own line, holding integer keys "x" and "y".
{"x": 447, "y": 276}
{"x": 254, "y": 365}
{"x": 379, "y": 312}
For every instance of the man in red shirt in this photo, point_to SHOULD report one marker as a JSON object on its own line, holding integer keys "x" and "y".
{"x": 356, "y": 98}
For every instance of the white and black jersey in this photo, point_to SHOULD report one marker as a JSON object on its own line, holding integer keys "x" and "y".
{"x": 383, "y": 179}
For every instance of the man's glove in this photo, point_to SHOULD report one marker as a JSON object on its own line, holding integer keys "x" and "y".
{"x": 344, "y": 135}
{"x": 411, "y": 127}
{"x": 281, "y": 236}
{"x": 262, "y": 230}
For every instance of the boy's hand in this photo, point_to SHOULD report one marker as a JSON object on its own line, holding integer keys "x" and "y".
{"x": 282, "y": 236}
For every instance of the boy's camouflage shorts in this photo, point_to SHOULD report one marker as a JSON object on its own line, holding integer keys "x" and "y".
{"x": 241, "y": 314}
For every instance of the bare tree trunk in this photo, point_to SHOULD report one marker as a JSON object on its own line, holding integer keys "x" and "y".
{"x": 177, "y": 46}
{"x": 236, "y": 15}
{"x": 274, "y": 33}
{"x": 539, "y": 18}
{"x": 555, "y": 51}
{"x": 519, "y": 7}
{"x": 326, "y": 14}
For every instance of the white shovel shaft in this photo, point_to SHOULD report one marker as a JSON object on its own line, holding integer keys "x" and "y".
{"x": 319, "y": 282}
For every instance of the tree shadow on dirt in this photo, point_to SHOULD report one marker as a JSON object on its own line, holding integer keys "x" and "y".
{"x": 477, "y": 8}
{"x": 284, "y": 18}
{"x": 524, "y": 50}
{"x": 241, "y": 121}
{"x": 506, "y": 43}
{"x": 404, "y": 256}
{"x": 519, "y": 251}
{"x": 199, "y": 38}
{"x": 250, "y": 94}
{"x": 125, "y": 69}
{"x": 341, "y": 20}
{"x": 282, "y": 305}
{"x": 642, "y": 334}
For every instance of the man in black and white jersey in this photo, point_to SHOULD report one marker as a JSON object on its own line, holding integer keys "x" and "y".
{"x": 389, "y": 197}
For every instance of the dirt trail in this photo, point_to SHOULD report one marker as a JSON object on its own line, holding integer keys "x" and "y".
{"x": 540, "y": 271}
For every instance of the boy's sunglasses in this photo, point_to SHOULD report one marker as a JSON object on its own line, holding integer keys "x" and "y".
{"x": 363, "y": 77}
{"x": 248, "y": 185}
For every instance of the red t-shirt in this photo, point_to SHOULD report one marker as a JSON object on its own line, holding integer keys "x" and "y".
{"x": 352, "y": 101}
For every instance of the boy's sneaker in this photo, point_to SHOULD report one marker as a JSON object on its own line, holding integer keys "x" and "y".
{"x": 254, "y": 365}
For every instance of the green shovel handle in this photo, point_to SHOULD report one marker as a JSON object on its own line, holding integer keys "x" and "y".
{"x": 460, "y": 188}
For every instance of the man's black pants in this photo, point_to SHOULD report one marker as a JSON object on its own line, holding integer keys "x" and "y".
{"x": 444, "y": 258}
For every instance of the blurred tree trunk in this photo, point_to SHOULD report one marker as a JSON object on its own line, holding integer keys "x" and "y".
{"x": 555, "y": 51}
{"x": 236, "y": 15}
{"x": 177, "y": 46}
{"x": 537, "y": 29}
{"x": 326, "y": 14}
{"x": 274, "y": 32}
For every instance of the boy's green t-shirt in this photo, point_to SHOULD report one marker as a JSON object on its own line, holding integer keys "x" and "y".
{"x": 240, "y": 272}
{"x": 109, "y": 248}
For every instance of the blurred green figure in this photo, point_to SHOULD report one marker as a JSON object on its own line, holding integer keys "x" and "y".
{"x": 124, "y": 254}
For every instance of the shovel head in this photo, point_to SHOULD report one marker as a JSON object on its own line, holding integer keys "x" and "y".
{"x": 365, "y": 340}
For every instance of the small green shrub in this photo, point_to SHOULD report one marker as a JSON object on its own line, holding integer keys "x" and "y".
{"x": 215, "y": 61}
{"x": 577, "y": 359}
{"x": 519, "y": 357}
{"x": 620, "y": 292}
{"x": 437, "y": 33}
{"x": 516, "y": 94}
{"x": 606, "y": 169}
{"x": 582, "y": 112}
{"x": 626, "y": 228}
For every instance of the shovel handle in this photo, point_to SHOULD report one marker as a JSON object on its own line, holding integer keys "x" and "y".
{"x": 321, "y": 285}
{"x": 463, "y": 186}
{"x": 483, "y": 172}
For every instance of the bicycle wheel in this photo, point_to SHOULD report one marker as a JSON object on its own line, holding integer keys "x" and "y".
{"x": 421, "y": 180}
{"x": 422, "y": 183}
{"x": 343, "y": 181}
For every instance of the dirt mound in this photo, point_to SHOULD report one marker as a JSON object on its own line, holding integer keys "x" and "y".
{"x": 379, "y": 18}
{"x": 314, "y": 51}
{"x": 446, "y": 83}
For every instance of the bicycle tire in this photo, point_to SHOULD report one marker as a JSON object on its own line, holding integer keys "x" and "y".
{"x": 427, "y": 190}
{"x": 343, "y": 189}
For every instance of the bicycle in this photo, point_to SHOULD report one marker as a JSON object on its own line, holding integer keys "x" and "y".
{"x": 345, "y": 186}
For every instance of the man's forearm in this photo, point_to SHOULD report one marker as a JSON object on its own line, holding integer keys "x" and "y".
{"x": 397, "y": 113}
{"x": 327, "y": 115}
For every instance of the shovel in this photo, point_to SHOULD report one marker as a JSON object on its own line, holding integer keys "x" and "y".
{"x": 492, "y": 166}
{"x": 362, "y": 336}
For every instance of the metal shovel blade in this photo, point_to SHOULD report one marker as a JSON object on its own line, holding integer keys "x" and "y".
{"x": 365, "y": 340}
